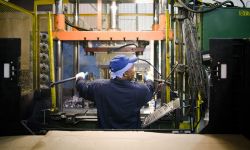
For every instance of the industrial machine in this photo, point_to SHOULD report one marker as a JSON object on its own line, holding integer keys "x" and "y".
{"x": 177, "y": 49}
{"x": 10, "y": 90}
{"x": 175, "y": 109}
{"x": 229, "y": 76}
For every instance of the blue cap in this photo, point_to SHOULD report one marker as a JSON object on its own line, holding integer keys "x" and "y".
{"x": 120, "y": 64}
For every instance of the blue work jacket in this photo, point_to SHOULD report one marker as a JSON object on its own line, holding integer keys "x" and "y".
{"x": 118, "y": 101}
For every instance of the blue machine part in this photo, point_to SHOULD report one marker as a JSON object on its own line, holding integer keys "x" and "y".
{"x": 87, "y": 63}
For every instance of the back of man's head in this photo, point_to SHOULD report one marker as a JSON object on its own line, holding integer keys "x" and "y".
{"x": 120, "y": 64}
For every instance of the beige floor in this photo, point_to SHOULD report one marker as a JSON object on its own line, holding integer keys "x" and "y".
{"x": 130, "y": 140}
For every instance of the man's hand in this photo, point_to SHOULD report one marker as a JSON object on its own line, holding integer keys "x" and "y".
{"x": 81, "y": 75}
{"x": 147, "y": 77}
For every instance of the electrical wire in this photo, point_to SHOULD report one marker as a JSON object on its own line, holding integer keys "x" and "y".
{"x": 118, "y": 48}
{"x": 243, "y": 4}
{"x": 196, "y": 73}
{"x": 160, "y": 80}
{"x": 71, "y": 24}
{"x": 172, "y": 71}
{"x": 151, "y": 65}
{"x": 207, "y": 10}
{"x": 198, "y": 122}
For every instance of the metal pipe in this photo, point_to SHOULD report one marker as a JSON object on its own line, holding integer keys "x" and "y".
{"x": 113, "y": 15}
{"x": 51, "y": 63}
{"x": 59, "y": 18}
{"x": 171, "y": 27}
{"x": 162, "y": 6}
{"x": 59, "y": 6}
{"x": 156, "y": 58}
{"x": 76, "y": 43}
{"x": 35, "y": 50}
{"x": 162, "y": 48}
{"x": 137, "y": 23}
{"x": 76, "y": 13}
{"x": 156, "y": 12}
{"x": 168, "y": 56}
{"x": 59, "y": 75}
{"x": 62, "y": 81}
{"x": 76, "y": 57}
{"x": 59, "y": 65}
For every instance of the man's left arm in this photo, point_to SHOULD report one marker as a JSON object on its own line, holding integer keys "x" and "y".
{"x": 150, "y": 85}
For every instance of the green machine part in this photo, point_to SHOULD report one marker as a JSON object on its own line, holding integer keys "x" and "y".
{"x": 225, "y": 23}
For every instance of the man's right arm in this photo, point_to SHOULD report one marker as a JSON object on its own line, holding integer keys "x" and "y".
{"x": 83, "y": 86}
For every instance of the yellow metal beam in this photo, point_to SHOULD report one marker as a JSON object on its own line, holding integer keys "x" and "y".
{"x": 11, "y": 5}
{"x": 198, "y": 114}
{"x": 36, "y": 84}
{"x": 167, "y": 54}
{"x": 48, "y": 2}
{"x": 51, "y": 63}
{"x": 35, "y": 50}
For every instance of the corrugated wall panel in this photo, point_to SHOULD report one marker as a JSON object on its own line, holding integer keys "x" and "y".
{"x": 126, "y": 23}
{"x": 145, "y": 8}
{"x": 126, "y": 8}
{"x": 130, "y": 23}
{"x": 87, "y": 9}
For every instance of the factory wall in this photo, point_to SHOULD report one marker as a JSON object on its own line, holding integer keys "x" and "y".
{"x": 18, "y": 25}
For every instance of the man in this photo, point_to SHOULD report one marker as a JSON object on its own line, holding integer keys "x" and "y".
{"x": 119, "y": 99}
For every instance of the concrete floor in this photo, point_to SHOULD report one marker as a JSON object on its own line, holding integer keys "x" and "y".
{"x": 132, "y": 140}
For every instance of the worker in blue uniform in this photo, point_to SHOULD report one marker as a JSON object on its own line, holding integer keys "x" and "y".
{"x": 119, "y": 99}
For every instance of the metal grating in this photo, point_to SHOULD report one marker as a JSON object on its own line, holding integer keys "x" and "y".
{"x": 4, "y": 8}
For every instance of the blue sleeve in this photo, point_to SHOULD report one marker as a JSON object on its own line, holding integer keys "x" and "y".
{"x": 146, "y": 92}
{"x": 150, "y": 85}
{"x": 85, "y": 89}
